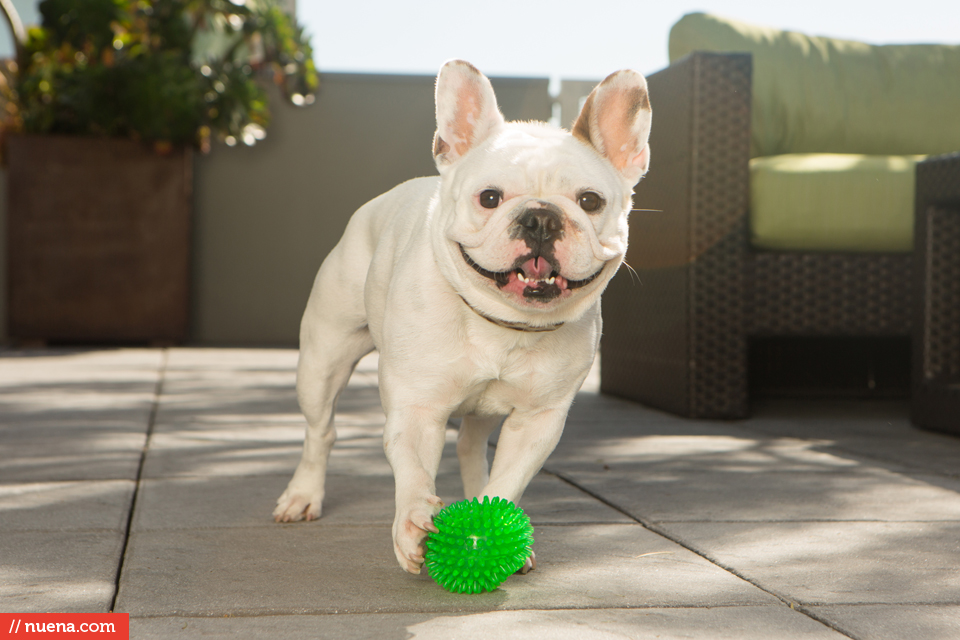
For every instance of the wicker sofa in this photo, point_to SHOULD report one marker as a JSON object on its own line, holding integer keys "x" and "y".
{"x": 676, "y": 334}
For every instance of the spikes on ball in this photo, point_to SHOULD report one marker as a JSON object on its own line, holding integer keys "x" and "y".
{"x": 478, "y": 545}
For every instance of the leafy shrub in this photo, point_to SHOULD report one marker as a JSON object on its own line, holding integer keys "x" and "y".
{"x": 170, "y": 72}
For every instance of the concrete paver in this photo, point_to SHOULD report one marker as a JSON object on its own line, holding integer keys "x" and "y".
{"x": 873, "y": 432}
{"x": 809, "y": 520}
{"x": 717, "y": 623}
{"x": 678, "y": 493}
{"x": 59, "y": 571}
{"x": 288, "y": 569}
{"x": 222, "y": 501}
{"x": 66, "y": 506}
{"x": 838, "y": 562}
{"x": 74, "y": 414}
{"x": 73, "y": 424}
{"x": 894, "y": 621}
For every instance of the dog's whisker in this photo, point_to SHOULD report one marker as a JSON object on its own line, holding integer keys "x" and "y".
{"x": 633, "y": 273}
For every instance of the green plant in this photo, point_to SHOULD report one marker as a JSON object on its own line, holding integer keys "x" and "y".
{"x": 169, "y": 72}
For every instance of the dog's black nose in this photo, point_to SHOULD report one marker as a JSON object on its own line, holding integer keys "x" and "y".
{"x": 540, "y": 227}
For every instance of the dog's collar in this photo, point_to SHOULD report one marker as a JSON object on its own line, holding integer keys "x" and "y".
{"x": 516, "y": 326}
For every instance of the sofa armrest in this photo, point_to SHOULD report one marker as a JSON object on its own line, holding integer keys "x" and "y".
{"x": 676, "y": 338}
{"x": 936, "y": 340}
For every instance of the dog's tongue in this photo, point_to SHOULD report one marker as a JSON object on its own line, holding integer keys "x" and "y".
{"x": 537, "y": 269}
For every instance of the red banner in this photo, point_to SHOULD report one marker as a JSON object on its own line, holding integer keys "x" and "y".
{"x": 72, "y": 626}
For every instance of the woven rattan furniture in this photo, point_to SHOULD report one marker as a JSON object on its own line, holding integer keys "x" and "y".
{"x": 936, "y": 353}
{"x": 676, "y": 332}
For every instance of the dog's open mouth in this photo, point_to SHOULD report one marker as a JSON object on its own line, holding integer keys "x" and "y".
{"x": 533, "y": 277}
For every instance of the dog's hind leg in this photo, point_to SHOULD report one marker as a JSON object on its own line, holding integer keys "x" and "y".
{"x": 333, "y": 337}
{"x": 323, "y": 371}
{"x": 472, "y": 447}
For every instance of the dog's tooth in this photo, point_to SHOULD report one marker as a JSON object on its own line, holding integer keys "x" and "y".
{"x": 522, "y": 277}
{"x": 551, "y": 280}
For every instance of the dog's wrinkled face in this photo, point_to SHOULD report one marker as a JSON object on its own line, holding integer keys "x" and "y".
{"x": 539, "y": 215}
{"x": 534, "y": 218}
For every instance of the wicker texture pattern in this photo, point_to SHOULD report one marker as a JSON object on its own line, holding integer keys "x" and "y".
{"x": 936, "y": 370}
{"x": 718, "y": 371}
{"x": 827, "y": 294}
{"x": 942, "y": 330}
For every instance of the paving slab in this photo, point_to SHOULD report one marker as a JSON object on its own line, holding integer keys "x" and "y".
{"x": 58, "y": 383}
{"x": 723, "y": 623}
{"x": 316, "y": 568}
{"x": 73, "y": 424}
{"x": 233, "y": 360}
{"x": 240, "y": 417}
{"x": 839, "y": 507}
{"x": 226, "y": 501}
{"x": 237, "y": 448}
{"x": 894, "y": 622}
{"x": 59, "y": 571}
{"x": 878, "y": 432}
{"x": 77, "y": 451}
{"x": 65, "y": 506}
{"x": 205, "y": 454}
{"x": 75, "y": 414}
{"x": 682, "y": 492}
{"x": 697, "y": 447}
{"x": 42, "y": 367}
{"x": 202, "y": 397}
{"x": 836, "y": 562}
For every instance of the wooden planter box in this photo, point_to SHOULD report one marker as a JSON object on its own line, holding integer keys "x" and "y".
{"x": 98, "y": 240}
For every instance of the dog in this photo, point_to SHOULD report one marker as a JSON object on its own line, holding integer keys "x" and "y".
{"x": 480, "y": 289}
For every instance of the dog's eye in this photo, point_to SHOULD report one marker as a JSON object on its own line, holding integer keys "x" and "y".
{"x": 490, "y": 198}
{"x": 590, "y": 201}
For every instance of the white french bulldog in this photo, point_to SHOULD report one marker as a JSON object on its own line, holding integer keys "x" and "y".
{"x": 480, "y": 289}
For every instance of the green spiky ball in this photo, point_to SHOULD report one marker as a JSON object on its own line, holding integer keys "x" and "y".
{"x": 478, "y": 545}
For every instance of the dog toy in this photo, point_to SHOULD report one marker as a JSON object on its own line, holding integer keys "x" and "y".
{"x": 478, "y": 545}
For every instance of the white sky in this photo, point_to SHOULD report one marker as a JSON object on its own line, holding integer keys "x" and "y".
{"x": 585, "y": 39}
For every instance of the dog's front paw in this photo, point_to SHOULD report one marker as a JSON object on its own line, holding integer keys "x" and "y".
{"x": 410, "y": 529}
{"x": 295, "y": 507}
{"x": 302, "y": 499}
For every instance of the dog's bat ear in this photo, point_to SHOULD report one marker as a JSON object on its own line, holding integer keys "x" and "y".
{"x": 467, "y": 111}
{"x": 615, "y": 120}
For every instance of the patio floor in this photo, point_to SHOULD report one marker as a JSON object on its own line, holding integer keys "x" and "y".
{"x": 142, "y": 481}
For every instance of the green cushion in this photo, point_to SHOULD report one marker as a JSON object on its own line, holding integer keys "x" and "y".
{"x": 832, "y": 202}
{"x": 816, "y": 95}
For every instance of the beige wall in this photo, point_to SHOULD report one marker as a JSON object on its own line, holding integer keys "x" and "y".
{"x": 265, "y": 216}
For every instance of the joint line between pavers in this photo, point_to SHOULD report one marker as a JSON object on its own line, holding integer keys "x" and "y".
{"x": 652, "y": 527}
{"x": 151, "y": 423}
{"x": 810, "y": 613}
